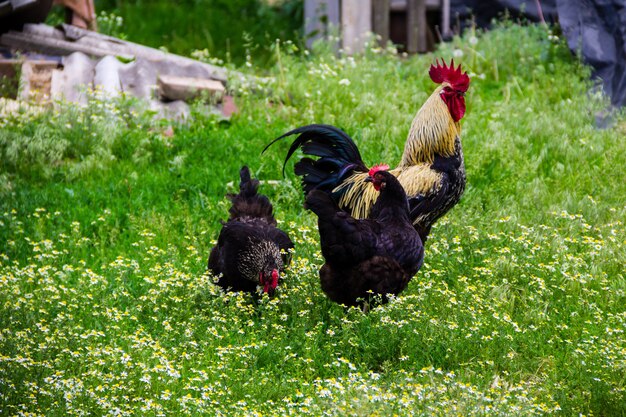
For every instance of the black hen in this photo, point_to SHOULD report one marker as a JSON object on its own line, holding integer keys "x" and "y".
{"x": 251, "y": 251}
{"x": 378, "y": 255}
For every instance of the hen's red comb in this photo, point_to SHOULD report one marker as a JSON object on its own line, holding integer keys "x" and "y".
{"x": 376, "y": 168}
{"x": 440, "y": 73}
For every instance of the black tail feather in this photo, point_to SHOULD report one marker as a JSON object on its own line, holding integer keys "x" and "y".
{"x": 247, "y": 185}
{"x": 337, "y": 152}
{"x": 248, "y": 203}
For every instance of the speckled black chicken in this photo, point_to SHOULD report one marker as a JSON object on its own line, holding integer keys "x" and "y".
{"x": 251, "y": 252}
{"x": 374, "y": 256}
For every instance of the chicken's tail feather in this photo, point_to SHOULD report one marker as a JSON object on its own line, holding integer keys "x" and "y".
{"x": 338, "y": 156}
{"x": 248, "y": 203}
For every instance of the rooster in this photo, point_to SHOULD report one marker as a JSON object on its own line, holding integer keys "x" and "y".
{"x": 251, "y": 251}
{"x": 431, "y": 170}
{"x": 373, "y": 256}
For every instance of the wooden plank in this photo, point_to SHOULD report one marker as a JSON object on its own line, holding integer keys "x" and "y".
{"x": 45, "y": 39}
{"x": 380, "y": 19}
{"x": 172, "y": 87}
{"x": 401, "y": 5}
{"x": 422, "y": 27}
{"x": 51, "y": 45}
{"x": 356, "y": 23}
{"x": 19, "y": 4}
{"x": 445, "y": 19}
{"x": 416, "y": 26}
{"x": 124, "y": 48}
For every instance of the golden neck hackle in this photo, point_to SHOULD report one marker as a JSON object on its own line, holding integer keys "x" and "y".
{"x": 432, "y": 131}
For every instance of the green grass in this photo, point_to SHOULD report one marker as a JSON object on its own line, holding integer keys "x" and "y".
{"x": 234, "y": 31}
{"x": 106, "y": 224}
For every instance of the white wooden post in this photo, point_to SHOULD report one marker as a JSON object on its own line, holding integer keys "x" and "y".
{"x": 356, "y": 23}
{"x": 320, "y": 17}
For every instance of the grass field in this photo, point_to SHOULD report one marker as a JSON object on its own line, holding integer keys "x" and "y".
{"x": 106, "y": 223}
{"x": 234, "y": 31}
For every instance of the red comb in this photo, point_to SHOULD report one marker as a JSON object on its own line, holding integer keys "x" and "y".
{"x": 442, "y": 73}
{"x": 376, "y": 168}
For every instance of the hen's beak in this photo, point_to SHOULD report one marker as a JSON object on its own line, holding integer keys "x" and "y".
{"x": 269, "y": 283}
{"x": 375, "y": 183}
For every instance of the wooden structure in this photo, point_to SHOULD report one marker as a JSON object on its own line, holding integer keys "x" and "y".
{"x": 173, "y": 87}
{"x": 80, "y": 63}
{"x": 356, "y": 18}
{"x": 69, "y": 39}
